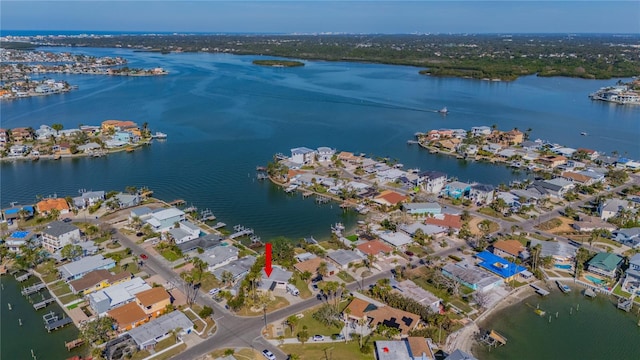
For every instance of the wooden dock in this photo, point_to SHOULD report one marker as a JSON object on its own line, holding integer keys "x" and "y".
{"x": 207, "y": 215}
{"x": 177, "y": 202}
{"x": 540, "y": 291}
{"x": 218, "y": 225}
{"x": 33, "y": 289}
{"x": 493, "y": 338}
{"x": 43, "y": 304}
{"x": 322, "y": 199}
{"x": 73, "y": 344}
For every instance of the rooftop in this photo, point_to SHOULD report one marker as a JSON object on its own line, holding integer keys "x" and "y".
{"x": 392, "y": 350}
{"x": 165, "y": 214}
{"x": 58, "y": 228}
{"x": 358, "y": 307}
{"x": 127, "y": 314}
{"x": 95, "y": 277}
{"x": 395, "y": 318}
{"x": 395, "y": 238}
{"x": 470, "y": 274}
{"x": 147, "y": 333}
{"x": 310, "y": 265}
{"x": 344, "y": 257}
{"x": 511, "y": 247}
{"x": 409, "y": 289}
{"x": 498, "y": 265}
{"x": 374, "y": 247}
{"x": 120, "y": 293}
{"x": 203, "y": 242}
{"x": 445, "y": 220}
{"x": 152, "y": 296}
{"x": 84, "y": 265}
{"x": 606, "y": 261}
{"x": 555, "y": 248}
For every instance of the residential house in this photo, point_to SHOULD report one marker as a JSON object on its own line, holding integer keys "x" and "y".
{"x": 596, "y": 176}
{"x": 582, "y": 153}
{"x": 96, "y": 280}
{"x": 552, "y": 161}
{"x": 45, "y": 206}
{"x": 559, "y": 251}
{"x": 302, "y": 155}
{"x": 448, "y": 221}
{"x": 556, "y": 188}
{"x": 128, "y": 316}
{"x": 14, "y": 213}
{"x": 153, "y": 301}
{"x": 238, "y": 268}
{"x": 115, "y": 125}
{"x": 456, "y": 189}
{"x": 205, "y": 243}
{"x": 432, "y": 182}
{"x": 629, "y": 237}
{"x": 140, "y": 213}
{"x": 18, "y": 150}
{"x": 148, "y": 335}
{"x": 395, "y": 239}
{"x": 374, "y": 248}
{"x": 20, "y": 238}
{"x": 578, "y": 178}
{"x": 409, "y": 348}
{"x": 389, "y": 198}
{"x": 186, "y": 231}
{"x": 57, "y": 234}
{"x": 460, "y": 355}
{"x": 512, "y": 137}
{"x": 357, "y": 309}
{"x": 402, "y": 320}
{"x": 311, "y": 265}
{"x": 501, "y": 267}
{"x": 470, "y": 276}
{"x": 219, "y": 256}
{"x": 45, "y": 132}
{"x": 605, "y": 264}
{"x": 77, "y": 269}
{"x": 448, "y": 144}
{"x": 22, "y": 134}
{"x": 480, "y": 131}
{"x": 4, "y": 137}
{"x": 87, "y": 199}
{"x": 427, "y": 229}
{"x": 611, "y": 208}
{"x": 113, "y": 296}
{"x": 162, "y": 220}
{"x": 565, "y": 151}
{"x": 349, "y": 158}
{"x": 631, "y": 283}
{"x": 510, "y": 248}
{"x": 343, "y": 258}
{"x": 590, "y": 223}
{"x": 127, "y": 200}
{"x": 123, "y": 136}
{"x": 481, "y": 194}
{"x": 492, "y": 148}
{"x": 409, "y": 289}
{"x": 325, "y": 154}
{"x": 422, "y": 208}
{"x": 512, "y": 200}
{"x": 89, "y": 148}
{"x": 63, "y": 148}
{"x": 277, "y": 280}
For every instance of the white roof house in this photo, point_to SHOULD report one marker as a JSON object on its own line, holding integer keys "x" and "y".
{"x": 164, "y": 219}
{"x": 409, "y": 289}
{"x": 149, "y": 334}
{"x": 344, "y": 257}
{"x": 219, "y": 256}
{"x": 77, "y": 269}
{"x": 113, "y": 296}
{"x": 396, "y": 239}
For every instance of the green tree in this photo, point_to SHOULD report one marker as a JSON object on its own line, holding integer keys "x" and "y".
{"x": 323, "y": 269}
{"x": 303, "y": 335}
{"x": 97, "y": 332}
{"x": 292, "y": 321}
{"x": 306, "y": 276}
{"x": 57, "y": 127}
{"x": 227, "y": 277}
{"x": 71, "y": 251}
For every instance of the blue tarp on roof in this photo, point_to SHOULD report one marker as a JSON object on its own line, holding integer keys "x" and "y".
{"x": 498, "y": 265}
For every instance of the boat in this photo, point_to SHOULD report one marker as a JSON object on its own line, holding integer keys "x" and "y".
{"x": 444, "y": 110}
{"x": 564, "y": 288}
{"x": 159, "y": 135}
{"x": 584, "y": 133}
{"x": 129, "y": 149}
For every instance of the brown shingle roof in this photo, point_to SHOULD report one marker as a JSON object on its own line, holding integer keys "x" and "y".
{"x": 95, "y": 277}
{"x": 310, "y": 265}
{"x": 392, "y": 317}
{"x": 448, "y": 221}
{"x": 374, "y": 247}
{"x": 152, "y": 296}
{"x": 418, "y": 346}
{"x": 512, "y": 247}
{"x": 357, "y": 307}
{"x": 575, "y": 177}
{"x": 127, "y": 314}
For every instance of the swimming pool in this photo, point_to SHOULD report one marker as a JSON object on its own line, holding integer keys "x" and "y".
{"x": 594, "y": 280}
{"x": 19, "y": 234}
{"x": 563, "y": 266}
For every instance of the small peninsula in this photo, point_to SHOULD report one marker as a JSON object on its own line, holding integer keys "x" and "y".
{"x": 278, "y": 63}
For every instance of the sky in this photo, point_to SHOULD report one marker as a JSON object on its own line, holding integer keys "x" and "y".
{"x": 319, "y": 16}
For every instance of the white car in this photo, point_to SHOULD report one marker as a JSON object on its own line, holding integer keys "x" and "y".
{"x": 268, "y": 354}
{"x": 214, "y": 291}
{"x": 318, "y": 338}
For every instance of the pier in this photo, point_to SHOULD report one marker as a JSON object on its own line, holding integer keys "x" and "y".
{"x": 33, "y": 289}
{"x": 493, "y": 338}
{"x": 23, "y": 277}
{"x": 218, "y": 225}
{"x": 73, "y": 344}
{"x": 625, "y": 304}
{"x": 207, "y": 215}
{"x": 240, "y": 231}
{"x": 177, "y": 202}
{"x": 322, "y": 199}
{"x": 53, "y": 322}
{"x": 540, "y": 291}
{"x": 43, "y": 304}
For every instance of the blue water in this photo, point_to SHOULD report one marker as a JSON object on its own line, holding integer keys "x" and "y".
{"x": 19, "y": 234}
{"x": 594, "y": 280}
{"x": 563, "y": 266}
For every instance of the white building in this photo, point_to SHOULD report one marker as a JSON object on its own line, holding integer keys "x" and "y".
{"x": 325, "y": 153}
{"x": 219, "y": 256}
{"x": 302, "y": 155}
{"x": 58, "y": 234}
{"x": 186, "y": 231}
{"x": 432, "y": 181}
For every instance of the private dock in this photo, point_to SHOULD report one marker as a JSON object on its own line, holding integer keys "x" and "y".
{"x": 73, "y": 344}
{"x": 322, "y": 199}
{"x": 540, "y": 291}
{"x": 306, "y": 194}
{"x": 291, "y": 188}
{"x": 281, "y": 156}
{"x": 53, "y": 322}
{"x": 493, "y": 338}
{"x": 589, "y": 293}
{"x": 23, "y": 277}
{"x": 262, "y": 176}
{"x": 207, "y": 215}
{"x": 240, "y": 231}
{"x": 177, "y": 202}
{"x": 33, "y": 289}
{"x": 43, "y": 304}
{"x": 625, "y": 304}
{"x": 218, "y": 225}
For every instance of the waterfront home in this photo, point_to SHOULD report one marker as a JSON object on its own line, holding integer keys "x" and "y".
{"x": 349, "y": 158}
{"x": 456, "y": 190}
{"x": 629, "y": 237}
{"x": 57, "y": 234}
{"x": 18, "y": 239}
{"x": 4, "y": 137}
{"x": 21, "y": 134}
{"x": 343, "y": 258}
{"x": 631, "y": 283}
{"x": 162, "y": 220}
{"x": 115, "y": 125}
{"x": 278, "y": 279}
{"x": 427, "y": 229}
{"x": 512, "y": 200}
{"x": 582, "y": 153}
{"x": 96, "y": 280}
{"x": 422, "y": 208}
{"x": 510, "y": 248}
{"x": 88, "y": 198}
{"x": 311, "y": 265}
{"x": 113, "y": 296}
{"x": 148, "y": 335}
{"x": 389, "y": 175}
{"x": 219, "y": 256}
{"x": 17, "y": 212}
{"x": 480, "y": 131}
{"x": 153, "y": 301}
{"x": 556, "y": 187}
{"x": 590, "y": 223}
{"x": 77, "y": 269}
{"x": 409, "y": 289}
{"x": 392, "y": 350}
{"x": 205, "y": 243}
{"x": 389, "y": 198}
{"x": 432, "y": 182}
{"x": 501, "y": 267}
{"x": 395, "y": 239}
{"x": 470, "y": 276}
{"x": 122, "y": 136}
{"x": 531, "y": 195}
{"x": 89, "y": 147}
{"x": 303, "y": 156}
{"x": 127, "y": 200}
{"x": 18, "y": 150}
{"x": 551, "y": 161}
{"x": 564, "y": 151}
{"x": 559, "y": 251}
{"x": 45, "y": 206}
{"x": 374, "y": 248}
{"x": 459, "y": 355}
{"x": 238, "y": 268}
{"x": 447, "y": 221}
{"x": 449, "y": 145}
{"x": 128, "y": 316}
{"x": 506, "y": 138}
{"x": 611, "y": 207}
{"x": 45, "y": 132}
{"x": 481, "y": 193}
{"x": 605, "y": 264}
{"x": 578, "y": 178}
{"x": 531, "y": 145}
{"x": 139, "y": 213}
{"x": 185, "y": 231}
{"x": 325, "y": 154}
{"x": 492, "y": 148}
{"x": 402, "y": 320}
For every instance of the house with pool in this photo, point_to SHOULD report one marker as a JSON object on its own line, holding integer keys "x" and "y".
{"x": 631, "y": 283}
{"x": 604, "y": 264}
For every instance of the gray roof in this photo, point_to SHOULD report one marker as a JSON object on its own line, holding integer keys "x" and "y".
{"x": 482, "y": 187}
{"x": 147, "y": 333}
{"x": 427, "y": 229}
{"x": 432, "y": 174}
{"x": 218, "y": 255}
{"x": 203, "y": 242}
{"x": 278, "y": 274}
{"x": 188, "y": 224}
{"x": 141, "y": 211}
{"x": 237, "y": 267}
{"x": 422, "y": 205}
{"x": 301, "y": 150}
{"x": 635, "y": 259}
{"x": 58, "y": 228}
{"x": 559, "y": 182}
{"x": 554, "y": 248}
{"x": 178, "y": 233}
{"x": 409, "y": 289}
{"x": 128, "y": 198}
{"x": 344, "y": 257}
{"x": 471, "y": 274}
{"x": 84, "y": 265}
{"x": 460, "y": 355}
{"x": 630, "y": 232}
{"x": 392, "y": 350}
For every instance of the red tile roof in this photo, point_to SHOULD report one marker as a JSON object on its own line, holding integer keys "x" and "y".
{"x": 448, "y": 221}
{"x": 391, "y": 197}
{"x": 374, "y": 247}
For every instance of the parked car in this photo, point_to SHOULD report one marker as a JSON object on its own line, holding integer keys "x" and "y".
{"x": 214, "y": 291}
{"x": 143, "y": 257}
{"x": 337, "y": 337}
{"x": 66, "y": 220}
{"x": 318, "y": 338}
{"x": 268, "y": 354}
{"x": 410, "y": 253}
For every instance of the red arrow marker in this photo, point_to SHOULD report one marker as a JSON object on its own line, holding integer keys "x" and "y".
{"x": 267, "y": 259}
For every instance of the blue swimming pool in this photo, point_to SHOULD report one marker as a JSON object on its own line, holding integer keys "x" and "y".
{"x": 19, "y": 234}
{"x": 594, "y": 280}
{"x": 563, "y": 266}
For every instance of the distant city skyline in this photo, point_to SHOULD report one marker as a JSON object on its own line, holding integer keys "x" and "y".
{"x": 325, "y": 16}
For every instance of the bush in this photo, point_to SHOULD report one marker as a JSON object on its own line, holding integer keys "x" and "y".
{"x": 205, "y": 312}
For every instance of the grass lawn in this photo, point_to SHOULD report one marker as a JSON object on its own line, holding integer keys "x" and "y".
{"x": 118, "y": 255}
{"x": 209, "y": 282}
{"x": 170, "y": 255}
{"x": 461, "y": 305}
{"x": 242, "y": 354}
{"x": 441, "y": 293}
{"x": 131, "y": 267}
{"x": 417, "y": 250}
{"x": 140, "y": 355}
{"x": 618, "y": 291}
{"x": 276, "y": 304}
{"x": 165, "y": 343}
{"x": 335, "y": 350}
{"x": 345, "y": 277}
{"x": 549, "y": 225}
{"x": 301, "y": 285}
{"x": 69, "y": 298}
{"x": 199, "y": 325}
{"x": 48, "y": 271}
{"x": 353, "y": 237}
{"x": 329, "y": 245}
{"x": 313, "y": 326}
{"x": 60, "y": 288}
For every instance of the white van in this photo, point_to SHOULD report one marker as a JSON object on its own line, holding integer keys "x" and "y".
{"x": 293, "y": 290}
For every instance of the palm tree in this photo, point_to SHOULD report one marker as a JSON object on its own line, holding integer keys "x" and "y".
{"x": 305, "y": 276}
{"x": 323, "y": 269}
{"x": 292, "y": 321}
{"x": 227, "y": 277}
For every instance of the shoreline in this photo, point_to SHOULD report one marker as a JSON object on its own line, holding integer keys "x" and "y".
{"x": 72, "y": 156}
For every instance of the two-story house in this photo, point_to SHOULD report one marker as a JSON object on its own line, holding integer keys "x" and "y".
{"x": 219, "y": 256}
{"x": 302, "y": 155}
{"x": 58, "y": 234}
{"x": 631, "y": 283}
{"x": 605, "y": 264}
{"x": 325, "y": 154}
{"x": 456, "y": 189}
{"x": 88, "y": 198}
{"x": 481, "y": 193}
{"x": 510, "y": 249}
{"x": 432, "y": 181}
{"x": 45, "y": 206}
{"x": 79, "y": 268}
{"x": 153, "y": 301}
